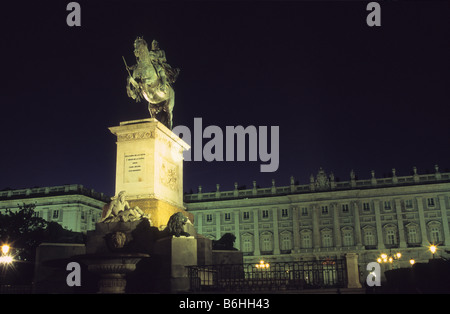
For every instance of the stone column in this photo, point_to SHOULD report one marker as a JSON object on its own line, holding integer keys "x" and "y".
{"x": 316, "y": 231}
{"x": 296, "y": 229}
{"x": 257, "y": 250}
{"x": 199, "y": 219}
{"x": 444, "y": 218}
{"x": 237, "y": 232}
{"x": 337, "y": 226}
{"x": 423, "y": 227}
{"x": 358, "y": 237}
{"x": 276, "y": 236}
{"x": 380, "y": 239}
{"x": 401, "y": 227}
{"x": 352, "y": 271}
{"x": 218, "y": 227}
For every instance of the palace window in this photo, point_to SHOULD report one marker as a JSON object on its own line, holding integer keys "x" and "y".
{"x": 326, "y": 240}
{"x": 246, "y": 215}
{"x": 325, "y": 210}
{"x": 304, "y": 211}
{"x": 435, "y": 233}
{"x": 369, "y": 238}
{"x": 247, "y": 244}
{"x": 286, "y": 242}
{"x": 266, "y": 242}
{"x": 387, "y": 205}
{"x": 209, "y": 217}
{"x": 345, "y": 208}
{"x": 227, "y": 216}
{"x": 366, "y": 206}
{"x": 284, "y": 212}
{"x": 430, "y": 202}
{"x": 265, "y": 213}
{"x": 306, "y": 241}
{"x": 348, "y": 238}
{"x": 55, "y": 214}
{"x": 391, "y": 237}
{"x": 408, "y": 204}
{"x": 412, "y": 235}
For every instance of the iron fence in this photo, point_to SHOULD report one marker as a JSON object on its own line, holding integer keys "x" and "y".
{"x": 269, "y": 277}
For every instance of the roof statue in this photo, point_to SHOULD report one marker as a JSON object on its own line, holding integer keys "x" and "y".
{"x": 151, "y": 78}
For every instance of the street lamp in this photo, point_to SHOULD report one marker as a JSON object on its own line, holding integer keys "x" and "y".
{"x": 384, "y": 258}
{"x": 5, "y": 258}
{"x": 262, "y": 265}
{"x": 412, "y": 261}
{"x": 5, "y": 249}
{"x": 433, "y": 249}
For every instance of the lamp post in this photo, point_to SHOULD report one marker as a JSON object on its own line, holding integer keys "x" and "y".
{"x": 262, "y": 266}
{"x": 389, "y": 259}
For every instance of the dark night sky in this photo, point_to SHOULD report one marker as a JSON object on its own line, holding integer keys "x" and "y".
{"x": 345, "y": 95}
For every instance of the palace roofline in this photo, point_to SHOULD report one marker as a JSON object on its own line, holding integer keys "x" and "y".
{"x": 320, "y": 183}
{"x": 68, "y": 189}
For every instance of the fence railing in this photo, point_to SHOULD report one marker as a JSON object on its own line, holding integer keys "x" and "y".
{"x": 269, "y": 277}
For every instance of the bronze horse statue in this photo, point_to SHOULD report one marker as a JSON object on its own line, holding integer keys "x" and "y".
{"x": 152, "y": 80}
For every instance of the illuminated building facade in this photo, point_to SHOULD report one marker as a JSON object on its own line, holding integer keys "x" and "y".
{"x": 74, "y": 207}
{"x": 328, "y": 219}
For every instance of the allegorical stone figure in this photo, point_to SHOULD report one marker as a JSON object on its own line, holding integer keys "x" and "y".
{"x": 120, "y": 210}
{"x": 152, "y": 78}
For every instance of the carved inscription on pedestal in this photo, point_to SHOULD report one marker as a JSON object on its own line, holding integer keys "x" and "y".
{"x": 134, "y": 167}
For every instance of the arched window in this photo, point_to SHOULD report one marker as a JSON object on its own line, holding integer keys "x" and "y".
{"x": 435, "y": 232}
{"x": 412, "y": 234}
{"x": 326, "y": 240}
{"x": 247, "y": 243}
{"x": 286, "y": 241}
{"x": 306, "y": 239}
{"x": 266, "y": 242}
{"x": 347, "y": 236}
{"x": 369, "y": 236}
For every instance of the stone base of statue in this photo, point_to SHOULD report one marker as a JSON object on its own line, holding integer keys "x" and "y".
{"x": 149, "y": 167}
{"x": 173, "y": 255}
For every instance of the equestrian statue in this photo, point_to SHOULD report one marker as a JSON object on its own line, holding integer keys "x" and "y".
{"x": 151, "y": 78}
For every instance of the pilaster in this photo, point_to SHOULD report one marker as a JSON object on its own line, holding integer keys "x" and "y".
{"x": 380, "y": 239}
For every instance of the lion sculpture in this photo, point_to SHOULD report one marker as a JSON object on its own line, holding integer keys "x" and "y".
{"x": 226, "y": 242}
{"x": 176, "y": 223}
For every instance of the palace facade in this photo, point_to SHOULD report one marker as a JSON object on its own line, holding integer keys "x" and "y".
{"x": 328, "y": 219}
{"x": 74, "y": 207}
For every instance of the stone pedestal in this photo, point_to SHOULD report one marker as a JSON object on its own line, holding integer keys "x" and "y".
{"x": 352, "y": 271}
{"x": 222, "y": 257}
{"x": 51, "y": 279}
{"x": 173, "y": 255}
{"x": 149, "y": 167}
{"x": 204, "y": 250}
